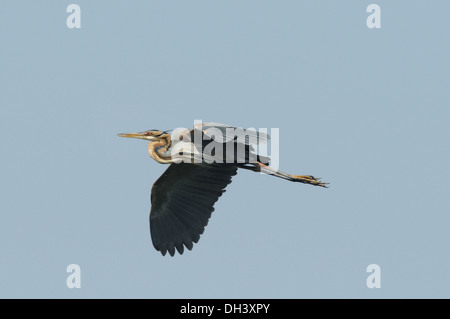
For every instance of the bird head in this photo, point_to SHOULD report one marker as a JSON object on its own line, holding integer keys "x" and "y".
{"x": 150, "y": 135}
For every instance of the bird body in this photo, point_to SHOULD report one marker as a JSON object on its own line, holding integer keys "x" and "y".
{"x": 202, "y": 162}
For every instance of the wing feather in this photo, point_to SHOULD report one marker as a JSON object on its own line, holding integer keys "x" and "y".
{"x": 228, "y": 133}
{"x": 182, "y": 203}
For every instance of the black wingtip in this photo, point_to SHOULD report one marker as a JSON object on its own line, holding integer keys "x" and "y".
{"x": 180, "y": 248}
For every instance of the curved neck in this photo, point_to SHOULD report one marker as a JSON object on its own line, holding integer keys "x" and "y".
{"x": 159, "y": 150}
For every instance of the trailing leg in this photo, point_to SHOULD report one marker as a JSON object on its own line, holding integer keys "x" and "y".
{"x": 305, "y": 179}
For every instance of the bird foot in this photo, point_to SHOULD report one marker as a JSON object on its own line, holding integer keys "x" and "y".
{"x": 308, "y": 179}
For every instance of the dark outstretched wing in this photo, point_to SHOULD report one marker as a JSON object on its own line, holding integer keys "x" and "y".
{"x": 182, "y": 202}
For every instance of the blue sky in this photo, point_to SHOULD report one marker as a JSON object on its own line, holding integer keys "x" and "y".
{"x": 365, "y": 109}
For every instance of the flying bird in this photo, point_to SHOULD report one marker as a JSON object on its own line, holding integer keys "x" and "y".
{"x": 202, "y": 162}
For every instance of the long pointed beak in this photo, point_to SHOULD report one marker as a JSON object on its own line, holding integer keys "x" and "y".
{"x": 133, "y": 135}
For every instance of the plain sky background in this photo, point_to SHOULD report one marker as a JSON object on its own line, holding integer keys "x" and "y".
{"x": 366, "y": 109}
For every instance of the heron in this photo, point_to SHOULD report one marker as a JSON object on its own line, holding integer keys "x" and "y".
{"x": 183, "y": 197}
